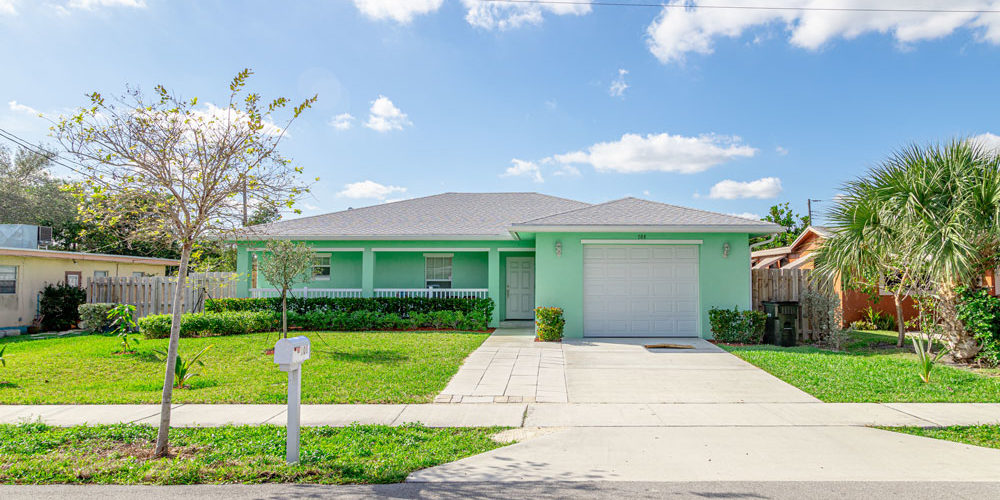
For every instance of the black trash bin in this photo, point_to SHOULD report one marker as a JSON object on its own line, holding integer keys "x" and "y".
{"x": 780, "y": 328}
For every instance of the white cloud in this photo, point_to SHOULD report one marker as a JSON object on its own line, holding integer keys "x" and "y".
{"x": 21, "y": 108}
{"x": 678, "y": 31}
{"x": 342, "y": 121}
{"x": 746, "y": 215}
{"x": 385, "y": 116}
{"x": 781, "y": 151}
{"x": 92, "y": 4}
{"x": 7, "y": 7}
{"x": 567, "y": 170}
{"x": 504, "y": 16}
{"x": 369, "y": 189}
{"x": 767, "y": 187}
{"x": 401, "y": 11}
{"x": 526, "y": 168}
{"x": 634, "y": 153}
{"x": 987, "y": 140}
{"x": 618, "y": 86}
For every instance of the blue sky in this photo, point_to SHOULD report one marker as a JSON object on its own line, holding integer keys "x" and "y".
{"x": 730, "y": 111}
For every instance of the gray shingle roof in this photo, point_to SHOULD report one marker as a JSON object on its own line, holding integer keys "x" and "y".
{"x": 494, "y": 215}
{"x": 448, "y": 215}
{"x": 636, "y": 212}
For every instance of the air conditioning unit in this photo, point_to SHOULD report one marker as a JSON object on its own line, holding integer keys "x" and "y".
{"x": 44, "y": 236}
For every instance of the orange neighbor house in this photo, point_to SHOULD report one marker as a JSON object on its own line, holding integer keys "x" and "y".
{"x": 799, "y": 255}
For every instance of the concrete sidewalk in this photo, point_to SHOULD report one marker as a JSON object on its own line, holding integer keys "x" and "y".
{"x": 528, "y": 415}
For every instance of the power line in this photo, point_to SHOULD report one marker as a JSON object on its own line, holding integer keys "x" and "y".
{"x": 746, "y": 7}
{"x": 52, "y": 156}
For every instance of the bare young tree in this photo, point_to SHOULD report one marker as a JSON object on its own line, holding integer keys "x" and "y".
{"x": 286, "y": 262}
{"x": 191, "y": 165}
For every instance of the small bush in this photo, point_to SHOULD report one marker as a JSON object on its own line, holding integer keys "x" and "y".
{"x": 733, "y": 326}
{"x": 880, "y": 320}
{"x": 59, "y": 306}
{"x": 863, "y": 324}
{"x": 209, "y": 324}
{"x": 979, "y": 312}
{"x": 549, "y": 323}
{"x": 94, "y": 317}
{"x": 368, "y": 320}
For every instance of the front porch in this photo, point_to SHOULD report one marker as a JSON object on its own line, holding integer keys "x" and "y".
{"x": 506, "y": 275}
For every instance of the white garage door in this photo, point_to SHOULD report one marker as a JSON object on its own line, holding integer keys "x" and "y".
{"x": 640, "y": 291}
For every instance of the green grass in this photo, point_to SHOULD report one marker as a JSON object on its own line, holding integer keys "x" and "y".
{"x": 119, "y": 454}
{"x": 868, "y": 374}
{"x": 979, "y": 435}
{"x": 368, "y": 367}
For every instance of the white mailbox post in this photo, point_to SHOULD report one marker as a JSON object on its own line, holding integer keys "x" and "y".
{"x": 289, "y": 355}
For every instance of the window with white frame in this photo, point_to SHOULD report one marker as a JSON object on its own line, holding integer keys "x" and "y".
{"x": 437, "y": 270}
{"x": 8, "y": 279}
{"x": 321, "y": 267}
{"x": 100, "y": 274}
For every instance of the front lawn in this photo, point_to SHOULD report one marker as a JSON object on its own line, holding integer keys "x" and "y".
{"x": 979, "y": 435}
{"x": 366, "y": 367}
{"x": 119, "y": 454}
{"x": 869, "y": 371}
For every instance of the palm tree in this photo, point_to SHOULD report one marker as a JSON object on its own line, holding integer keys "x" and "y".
{"x": 924, "y": 214}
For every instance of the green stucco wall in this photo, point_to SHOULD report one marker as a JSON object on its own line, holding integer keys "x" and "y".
{"x": 723, "y": 281}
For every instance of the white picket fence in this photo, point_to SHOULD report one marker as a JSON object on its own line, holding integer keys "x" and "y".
{"x": 306, "y": 292}
{"x": 434, "y": 293}
{"x": 155, "y": 294}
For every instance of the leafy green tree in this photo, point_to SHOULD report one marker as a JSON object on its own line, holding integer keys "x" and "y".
{"x": 783, "y": 215}
{"x": 284, "y": 264}
{"x": 189, "y": 164}
{"x": 926, "y": 212}
{"x": 29, "y": 194}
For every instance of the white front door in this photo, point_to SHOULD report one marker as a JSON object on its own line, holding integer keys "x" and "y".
{"x": 640, "y": 291}
{"x": 520, "y": 288}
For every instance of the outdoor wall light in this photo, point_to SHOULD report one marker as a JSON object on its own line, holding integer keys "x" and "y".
{"x": 558, "y": 249}
{"x": 725, "y": 250}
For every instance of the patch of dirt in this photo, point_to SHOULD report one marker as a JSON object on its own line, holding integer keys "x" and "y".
{"x": 144, "y": 451}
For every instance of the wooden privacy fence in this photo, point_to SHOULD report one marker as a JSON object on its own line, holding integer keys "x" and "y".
{"x": 155, "y": 294}
{"x": 779, "y": 285}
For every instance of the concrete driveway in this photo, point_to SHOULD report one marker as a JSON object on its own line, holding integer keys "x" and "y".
{"x": 510, "y": 368}
{"x": 618, "y": 370}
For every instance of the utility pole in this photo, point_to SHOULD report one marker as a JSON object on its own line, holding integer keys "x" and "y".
{"x": 809, "y": 203}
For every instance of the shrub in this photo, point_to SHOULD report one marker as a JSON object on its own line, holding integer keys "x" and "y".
{"x": 403, "y": 307}
{"x": 549, "y": 323}
{"x": 209, "y": 324}
{"x": 94, "y": 317}
{"x": 863, "y": 324}
{"x": 737, "y": 327}
{"x": 881, "y": 320}
{"x": 979, "y": 313}
{"x": 59, "y": 306}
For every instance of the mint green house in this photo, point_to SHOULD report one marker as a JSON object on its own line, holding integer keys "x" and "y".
{"x": 625, "y": 268}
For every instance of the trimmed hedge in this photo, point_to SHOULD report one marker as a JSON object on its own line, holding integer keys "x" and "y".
{"x": 402, "y": 307}
{"x": 212, "y": 324}
{"x": 733, "y": 326}
{"x": 369, "y": 320}
{"x": 209, "y": 324}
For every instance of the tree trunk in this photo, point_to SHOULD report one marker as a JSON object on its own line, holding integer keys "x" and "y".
{"x": 900, "y": 326}
{"x": 962, "y": 346}
{"x": 284, "y": 314}
{"x": 162, "y": 437}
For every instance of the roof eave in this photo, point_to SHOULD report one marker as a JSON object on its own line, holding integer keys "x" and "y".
{"x": 372, "y": 237}
{"x": 649, "y": 228}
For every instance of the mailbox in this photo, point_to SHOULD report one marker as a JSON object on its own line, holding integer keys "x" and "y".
{"x": 290, "y": 353}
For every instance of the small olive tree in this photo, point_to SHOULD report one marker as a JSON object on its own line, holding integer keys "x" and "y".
{"x": 192, "y": 166}
{"x": 285, "y": 264}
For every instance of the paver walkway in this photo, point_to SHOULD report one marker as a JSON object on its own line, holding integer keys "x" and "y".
{"x": 511, "y": 368}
